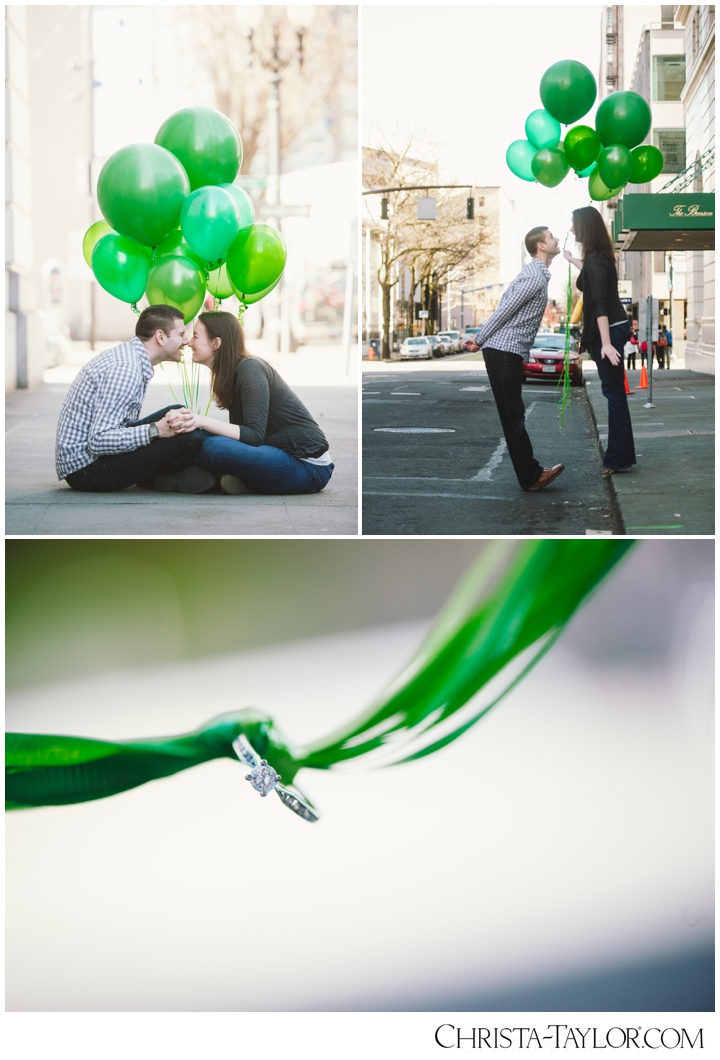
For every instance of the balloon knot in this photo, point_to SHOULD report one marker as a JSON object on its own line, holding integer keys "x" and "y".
{"x": 154, "y": 253}
{"x": 134, "y": 308}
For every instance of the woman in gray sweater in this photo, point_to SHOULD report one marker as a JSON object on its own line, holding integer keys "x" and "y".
{"x": 271, "y": 443}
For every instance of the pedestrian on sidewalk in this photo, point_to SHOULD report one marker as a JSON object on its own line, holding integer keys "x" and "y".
{"x": 270, "y": 444}
{"x": 606, "y": 329}
{"x": 101, "y": 445}
{"x": 506, "y": 340}
{"x": 631, "y": 350}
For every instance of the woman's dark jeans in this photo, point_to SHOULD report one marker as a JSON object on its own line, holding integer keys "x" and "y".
{"x": 620, "y": 448}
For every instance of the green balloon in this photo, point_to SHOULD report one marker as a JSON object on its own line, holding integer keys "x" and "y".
{"x": 587, "y": 171}
{"x": 219, "y": 284}
{"x": 245, "y": 205}
{"x": 623, "y": 118}
{"x": 519, "y": 156}
{"x": 141, "y": 190}
{"x": 206, "y": 142}
{"x": 121, "y": 267}
{"x": 256, "y": 260}
{"x": 542, "y": 129}
{"x": 615, "y": 165}
{"x": 94, "y": 233}
{"x": 251, "y": 299}
{"x": 550, "y": 166}
{"x": 648, "y": 163}
{"x": 599, "y": 190}
{"x": 209, "y": 222}
{"x": 176, "y": 247}
{"x": 567, "y": 90}
{"x": 582, "y": 146}
{"x": 178, "y": 282}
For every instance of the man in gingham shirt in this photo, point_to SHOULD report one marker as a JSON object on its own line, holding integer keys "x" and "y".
{"x": 506, "y": 340}
{"x": 101, "y": 444}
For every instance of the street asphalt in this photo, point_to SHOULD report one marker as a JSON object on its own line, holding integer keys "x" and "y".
{"x": 435, "y": 461}
{"x": 37, "y": 504}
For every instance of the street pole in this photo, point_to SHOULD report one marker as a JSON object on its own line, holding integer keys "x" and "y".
{"x": 671, "y": 284}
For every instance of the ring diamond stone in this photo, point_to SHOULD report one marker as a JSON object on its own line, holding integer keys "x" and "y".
{"x": 264, "y": 778}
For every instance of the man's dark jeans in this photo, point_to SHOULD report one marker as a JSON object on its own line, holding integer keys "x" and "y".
{"x": 505, "y": 371}
{"x": 620, "y": 448}
{"x": 108, "y": 474}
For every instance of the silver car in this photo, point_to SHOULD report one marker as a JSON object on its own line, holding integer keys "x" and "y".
{"x": 416, "y": 347}
{"x": 450, "y": 341}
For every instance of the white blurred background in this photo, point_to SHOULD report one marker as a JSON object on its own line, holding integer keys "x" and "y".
{"x": 557, "y": 857}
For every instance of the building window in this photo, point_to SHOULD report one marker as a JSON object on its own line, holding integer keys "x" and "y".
{"x": 672, "y": 144}
{"x": 667, "y": 17}
{"x": 668, "y": 77}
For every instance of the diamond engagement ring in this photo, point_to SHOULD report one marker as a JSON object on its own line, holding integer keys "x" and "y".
{"x": 264, "y": 779}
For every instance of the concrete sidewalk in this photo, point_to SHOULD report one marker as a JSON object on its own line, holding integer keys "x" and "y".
{"x": 37, "y": 504}
{"x": 671, "y": 489}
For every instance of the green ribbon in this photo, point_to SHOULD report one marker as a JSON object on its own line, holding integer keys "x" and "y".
{"x": 488, "y": 623}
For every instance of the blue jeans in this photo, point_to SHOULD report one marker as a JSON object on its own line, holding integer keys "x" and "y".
{"x": 620, "y": 448}
{"x": 262, "y": 468}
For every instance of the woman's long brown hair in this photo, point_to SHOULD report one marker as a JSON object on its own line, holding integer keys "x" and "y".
{"x": 231, "y": 351}
{"x": 591, "y": 232}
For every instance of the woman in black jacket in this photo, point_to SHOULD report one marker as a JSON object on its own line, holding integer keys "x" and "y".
{"x": 271, "y": 443}
{"x": 606, "y": 329}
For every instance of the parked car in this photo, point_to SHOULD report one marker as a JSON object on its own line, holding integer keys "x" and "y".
{"x": 416, "y": 347}
{"x": 546, "y": 360}
{"x": 450, "y": 341}
{"x": 435, "y": 344}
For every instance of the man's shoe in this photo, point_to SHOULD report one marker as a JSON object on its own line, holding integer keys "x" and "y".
{"x": 191, "y": 479}
{"x": 549, "y": 475}
{"x": 233, "y": 485}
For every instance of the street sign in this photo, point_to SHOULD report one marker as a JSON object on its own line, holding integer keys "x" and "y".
{"x": 625, "y": 291}
{"x": 424, "y": 314}
{"x": 426, "y": 208}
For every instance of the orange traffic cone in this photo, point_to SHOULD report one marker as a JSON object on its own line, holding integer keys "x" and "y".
{"x": 627, "y": 385}
{"x": 643, "y": 384}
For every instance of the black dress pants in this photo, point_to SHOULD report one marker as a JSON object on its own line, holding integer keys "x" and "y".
{"x": 108, "y": 474}
{"x": 505, "y": 371}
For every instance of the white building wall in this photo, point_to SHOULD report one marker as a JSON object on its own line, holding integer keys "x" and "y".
{"x": 24, "y": 342}
{"x": 699, "y": 104}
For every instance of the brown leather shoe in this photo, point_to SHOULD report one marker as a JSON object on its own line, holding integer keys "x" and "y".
{"x": 549, "y": 475}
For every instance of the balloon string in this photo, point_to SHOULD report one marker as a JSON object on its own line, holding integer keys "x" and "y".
{"x": 216, "y": 304}
{"x": 565, "y": 377}
{"x": 241, "y": 312}
{"x": 154, "y": 254}
{"x": 134, "y": 308}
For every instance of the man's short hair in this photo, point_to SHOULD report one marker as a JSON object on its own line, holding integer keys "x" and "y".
{"x": 535, "y": 236}
{"x": 157, "y": 318}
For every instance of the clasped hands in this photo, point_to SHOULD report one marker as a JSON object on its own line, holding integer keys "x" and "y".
{"x": 178, "y": 421}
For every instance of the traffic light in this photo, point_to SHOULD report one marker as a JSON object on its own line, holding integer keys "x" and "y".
{"x": 470, "y": 209}
{"x": 383, "y": 209}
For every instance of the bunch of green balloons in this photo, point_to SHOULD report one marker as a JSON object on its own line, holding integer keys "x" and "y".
{"x": 610, "y": 155}
{"x": 176, "y": 226}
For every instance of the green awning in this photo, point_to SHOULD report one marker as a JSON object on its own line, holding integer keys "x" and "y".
{"x": 665, "y": 222}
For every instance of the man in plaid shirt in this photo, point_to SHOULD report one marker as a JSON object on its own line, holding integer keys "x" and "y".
{"x": 506, "y": 340}
{"x": 101, "y": 444}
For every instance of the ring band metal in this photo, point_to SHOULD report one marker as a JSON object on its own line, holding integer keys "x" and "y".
{"x": 264, "y": 779}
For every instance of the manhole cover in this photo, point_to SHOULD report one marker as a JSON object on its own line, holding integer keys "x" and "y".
{"x": 414, "y": 430}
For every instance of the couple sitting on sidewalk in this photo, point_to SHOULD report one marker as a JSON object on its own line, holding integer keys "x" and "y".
{"x": 271, "y": 443}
